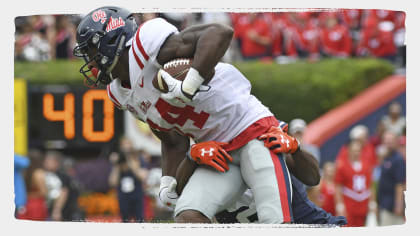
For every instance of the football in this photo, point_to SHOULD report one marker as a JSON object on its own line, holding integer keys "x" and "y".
{"x": 177, "y": 68}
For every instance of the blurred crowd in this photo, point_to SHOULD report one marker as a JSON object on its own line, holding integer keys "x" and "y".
{"x": 47, "y": 188}
{"x": 122, "y": 186}
{"x": 45, "y": 37}
{"x": 280, "y": 36}
{"x": 366, "y": 182}
{"x": 320, "y": 34}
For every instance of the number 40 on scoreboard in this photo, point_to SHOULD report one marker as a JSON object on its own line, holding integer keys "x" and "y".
{"x": 68, "y": 117}
{"x": 77, "y": 116}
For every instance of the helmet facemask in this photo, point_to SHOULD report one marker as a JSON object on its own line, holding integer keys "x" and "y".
{"x": 102, "y": 74}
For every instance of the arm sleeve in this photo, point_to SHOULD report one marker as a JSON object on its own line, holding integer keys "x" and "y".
{"x": 150, "y": 37}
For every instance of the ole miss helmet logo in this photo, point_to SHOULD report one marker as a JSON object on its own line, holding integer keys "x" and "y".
{"x": 114, "y": 24}
{"x": 99, "y": 15}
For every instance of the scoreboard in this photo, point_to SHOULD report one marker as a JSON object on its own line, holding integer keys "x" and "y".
{"x": 73, "y": 119}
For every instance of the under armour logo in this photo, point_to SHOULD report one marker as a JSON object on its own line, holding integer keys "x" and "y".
{"x": 99, "y": 15}
{"x": 210, "y": 152}
{"x": 283, "y": 140}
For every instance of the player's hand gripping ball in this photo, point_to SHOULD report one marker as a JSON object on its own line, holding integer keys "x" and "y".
{"x": 177, "y": 69}
{"x": 211, "y": 153}
{"x": 279, "y": 141}
{"x": 169, "y": 79}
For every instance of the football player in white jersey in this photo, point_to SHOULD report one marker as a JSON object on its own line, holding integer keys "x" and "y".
{"x": 224, "y": 120}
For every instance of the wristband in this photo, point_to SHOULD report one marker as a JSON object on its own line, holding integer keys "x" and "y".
{"x": 192, "y": 82}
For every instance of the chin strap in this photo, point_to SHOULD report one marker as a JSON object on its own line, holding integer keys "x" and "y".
{"x": 117, "y": 55}
{"x": 108, "y": 75}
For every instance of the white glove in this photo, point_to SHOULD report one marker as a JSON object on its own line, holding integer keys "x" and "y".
{"x": 175, "y": 93}
{"x": 167, "y": 193}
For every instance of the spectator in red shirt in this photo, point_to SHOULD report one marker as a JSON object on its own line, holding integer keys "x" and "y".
{"x": 399, "y": 20}
{"x": 277, "y": 26}
{"x": 353, "y": 182}
{"x": 327, "y": 186}
{"x": 351, "y": 17}
{"x": 304, "y": 37}
{"x": 381, "y": 15}
{"x": 360, "y": 133}
{"x": 377, "y": 39}
{"x": 256, "y": 38}
{"x": 335, "y": 38}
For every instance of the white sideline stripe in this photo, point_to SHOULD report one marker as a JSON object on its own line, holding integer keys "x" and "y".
{"x": 355, "y": 195}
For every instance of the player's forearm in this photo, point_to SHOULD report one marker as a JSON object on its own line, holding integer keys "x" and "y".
{"x": 304, "y": 167}
{"x": 174, "y": 147}
{"x": 172, "y": 157}
{"x": 211, "y": 46}
{"x": 183, "y": 173}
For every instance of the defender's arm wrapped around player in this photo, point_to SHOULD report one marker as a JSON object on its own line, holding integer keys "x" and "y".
{"x": 302, "y": 164}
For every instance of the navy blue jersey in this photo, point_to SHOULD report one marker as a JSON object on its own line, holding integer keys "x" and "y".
{"x": 393, "y": 171}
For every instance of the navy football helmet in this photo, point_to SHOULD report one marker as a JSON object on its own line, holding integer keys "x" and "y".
{"x": 101, "y": 37}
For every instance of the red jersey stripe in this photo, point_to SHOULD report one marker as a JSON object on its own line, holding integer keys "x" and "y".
{"x": 111, "y": 96}
{"x": 139, "y": 45}
{"x": 137, "y": 58}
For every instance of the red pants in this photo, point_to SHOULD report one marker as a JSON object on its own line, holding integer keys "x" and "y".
{"x": 356, "y": 220}
{"x": 36, "y": 209}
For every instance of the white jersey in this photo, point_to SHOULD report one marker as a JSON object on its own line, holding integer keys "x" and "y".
{"x": 219, "y": 114}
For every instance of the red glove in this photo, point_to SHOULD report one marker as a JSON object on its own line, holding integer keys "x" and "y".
{"x": 278, "y": 141}
{"x": 211, "y": 153}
